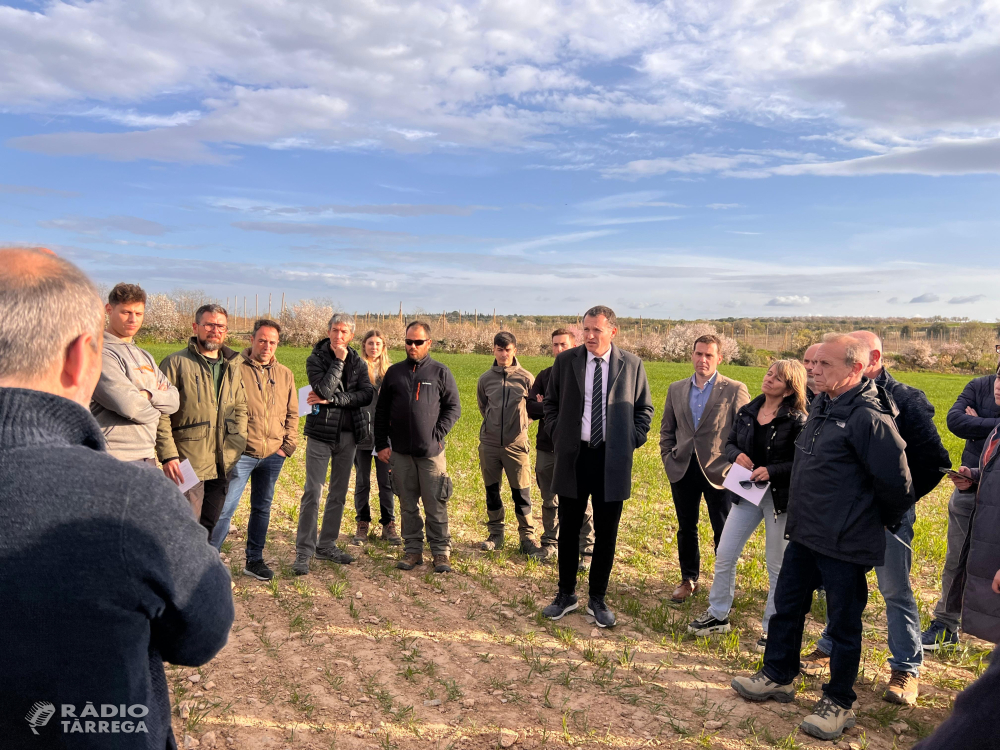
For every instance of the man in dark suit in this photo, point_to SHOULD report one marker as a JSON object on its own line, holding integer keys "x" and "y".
{"x": 597, "y": 411}
{"x": 697, "y": 417}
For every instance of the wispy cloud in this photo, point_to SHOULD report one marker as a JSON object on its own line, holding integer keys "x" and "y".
{"x": 736, "y": 231}
{"x": 924, "y": 299}
{"x": 723, "y": 206}
{"x": 39, "y": 191}
{"x": 320, "y": 230}
{"x": 516, "y": 248}
{"x": 96, "y": 225}
{"x": 639, "y": 199}
{"x": 597, "y": 222}
{"x": 340, "y": 209}
{"x": 967, "y": 300}
{"x": 793, "y": 300}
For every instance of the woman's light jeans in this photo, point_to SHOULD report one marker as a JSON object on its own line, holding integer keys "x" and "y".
{"x": 743, "y": 520}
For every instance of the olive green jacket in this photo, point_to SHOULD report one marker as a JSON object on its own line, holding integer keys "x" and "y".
{"x": 209, "y": 432}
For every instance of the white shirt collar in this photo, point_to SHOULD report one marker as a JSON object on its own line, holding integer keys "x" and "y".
{"x": 605, "y": 357}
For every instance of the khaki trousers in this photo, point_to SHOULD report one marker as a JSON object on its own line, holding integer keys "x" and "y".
{"x": 514, "y": 461}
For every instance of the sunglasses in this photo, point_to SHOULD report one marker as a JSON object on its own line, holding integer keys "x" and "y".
{"x": 415, "y": 342}
{"x": 747, "y": 484}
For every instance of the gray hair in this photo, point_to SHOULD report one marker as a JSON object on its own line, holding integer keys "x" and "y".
{"x": 855, "y": 350}
{"x": 604, "y": 310}
{"x": 46, "y": 303}
{"x": 212, "y": 308}
{"x": 339, "y": 318}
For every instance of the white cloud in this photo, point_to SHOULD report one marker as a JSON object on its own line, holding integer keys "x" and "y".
{"x": 95, "y": 225}
{"x": 925, "y": 298}
{"x": 687, "y": 164}
{"x": 793, "y": 300}
{"x": 723, "y": 206}
{"x": 516, "y": 248}
{"x": 966, "y": 300}
{"x": 435, "y": 74}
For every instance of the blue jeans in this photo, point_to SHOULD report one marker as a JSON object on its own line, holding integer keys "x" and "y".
{"x": 743, "y": 520}
{"x": 802, "y": 571}
{"x": 901, "y": 613}
{"x": 262, "y": 473}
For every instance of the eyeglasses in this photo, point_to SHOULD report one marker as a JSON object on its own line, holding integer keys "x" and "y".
{"x": 415, "y": 342}
{"x": 747, "y": 484}
{"x": 214, "y": 326}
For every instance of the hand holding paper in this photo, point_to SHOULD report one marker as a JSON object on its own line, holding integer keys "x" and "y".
{"x": 739, "y": 476}
{"x": 304, "y": 407}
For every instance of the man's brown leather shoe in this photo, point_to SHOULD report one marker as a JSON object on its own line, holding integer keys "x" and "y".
{"x": 684, "y": 589}
{"x": 410, "y": 561}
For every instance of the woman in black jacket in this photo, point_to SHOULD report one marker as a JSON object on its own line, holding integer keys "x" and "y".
{"x": 762, "y": 440}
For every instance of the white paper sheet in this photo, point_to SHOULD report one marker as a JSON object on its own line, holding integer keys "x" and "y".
{"x": 304, "y": 408}
{"x": 190, "y": 479}
{"x": 732, "y": 483}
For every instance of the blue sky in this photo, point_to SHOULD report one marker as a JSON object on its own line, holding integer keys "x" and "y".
{"x": 679, "y": 159}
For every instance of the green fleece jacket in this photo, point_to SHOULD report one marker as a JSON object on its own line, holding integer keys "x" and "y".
{"x": 211, "y": 432}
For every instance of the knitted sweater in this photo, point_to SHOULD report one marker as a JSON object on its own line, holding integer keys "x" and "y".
{"x": 106, "y": 574}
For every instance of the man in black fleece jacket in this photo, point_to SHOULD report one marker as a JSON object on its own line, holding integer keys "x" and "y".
{"x": 562, "y": 339}
{"x": 417, "y": 407}
{"x": 105, "y": 571}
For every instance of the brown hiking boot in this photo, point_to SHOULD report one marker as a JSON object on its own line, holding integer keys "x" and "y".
{"x": 390, "y": 535}
{"x": 441, "y": 564}
{"x": 685, "y": 589}
{"x": 815, "y": 663}
{"x": 410, "y": 561}
{"x": 903, "y": 688}
{"x": 361, "y": 535}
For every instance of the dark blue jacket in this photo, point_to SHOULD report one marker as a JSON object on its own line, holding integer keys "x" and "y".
{"x": 105, "y": 574}
{"x": 345, "y": 384}
{"x": 850, "y": 477}
{"x": 925, "y": 453}
{"x": 978, "y": 394}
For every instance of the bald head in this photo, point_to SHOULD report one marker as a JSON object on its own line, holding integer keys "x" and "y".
{"x": 874, "y": 344}
{"x": 49, "y": 313}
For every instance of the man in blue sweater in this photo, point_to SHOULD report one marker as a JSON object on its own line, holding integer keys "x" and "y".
{"x": 105, "y": 572}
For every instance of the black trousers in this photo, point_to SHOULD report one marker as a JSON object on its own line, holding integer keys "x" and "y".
{"x": 207, "y": 499}
{"x": 687, "y": 495}
{"x": 802, "y": 572}
{"x": 589, "y": 483}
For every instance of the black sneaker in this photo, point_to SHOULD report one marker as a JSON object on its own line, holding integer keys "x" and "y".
{"x": 597, "y": 609}
{"x": 258, "y": 569}
{"x": 334, "y": 555}
{"x": 561, "y": 605}
{"x": 938, "y": 635}
{"x": 707, "y": 625}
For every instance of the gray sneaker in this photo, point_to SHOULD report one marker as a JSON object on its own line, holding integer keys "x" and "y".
{"x": 301, "y": 565}
{"x": 334, "y": 555}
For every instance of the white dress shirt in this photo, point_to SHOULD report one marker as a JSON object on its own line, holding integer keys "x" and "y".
{"x": 588, "y": 394}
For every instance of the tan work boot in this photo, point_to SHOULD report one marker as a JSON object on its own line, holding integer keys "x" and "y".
{"x": 410, "y": 561}
{"x": 441, "y": 564}
{"x": 828, "y": 720}
{"x": 391, "y": 535}
{"x": 760, "y": 687}
{"x": 815, "y": 663}
{"x": 361, "y": 535}
{"x": 903, "y": 688}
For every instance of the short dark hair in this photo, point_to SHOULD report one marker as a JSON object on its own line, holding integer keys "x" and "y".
{"x": 422, "y": 324}
{"x": 709, "y": 338}
{"x": 265, "y": 323}
{"x": 504, "y": 339}
{"x": 126, "y": 294}
{"x": 604, "y": 310}
{"x": 564, "y": 332}
{"x": 210, "y": 308}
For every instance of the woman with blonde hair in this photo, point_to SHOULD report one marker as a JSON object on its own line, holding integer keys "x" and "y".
{"x": 762, "y": 440}
{"x": 376, "y": 356}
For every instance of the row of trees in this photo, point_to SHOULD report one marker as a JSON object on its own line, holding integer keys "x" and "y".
{"x": 168, "y": 318}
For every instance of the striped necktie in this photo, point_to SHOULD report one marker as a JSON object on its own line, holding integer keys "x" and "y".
{"x": 597, "y": 405}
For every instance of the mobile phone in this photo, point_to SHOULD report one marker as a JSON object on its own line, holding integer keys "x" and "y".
{"x": 952, "y": 473}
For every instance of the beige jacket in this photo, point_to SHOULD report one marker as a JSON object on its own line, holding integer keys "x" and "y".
{"x": 500, "y": 395}
{"x": 679, "y": 439}
{"x": 272, "y": 407}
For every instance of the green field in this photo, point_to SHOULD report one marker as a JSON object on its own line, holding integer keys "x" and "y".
{"x": 645, "y": 572}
